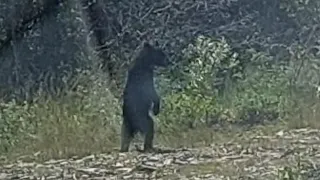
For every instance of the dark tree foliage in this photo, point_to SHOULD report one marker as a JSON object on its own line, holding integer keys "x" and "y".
{"x": 23, "y": 17}
{"x": 41, "y": 42}
{"x": 101, "y": 26}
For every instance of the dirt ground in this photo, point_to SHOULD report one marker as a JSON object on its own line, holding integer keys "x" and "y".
{"x": 293, "y": 154}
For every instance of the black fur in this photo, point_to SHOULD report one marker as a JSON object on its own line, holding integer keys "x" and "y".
{"x": 140, "y": 96}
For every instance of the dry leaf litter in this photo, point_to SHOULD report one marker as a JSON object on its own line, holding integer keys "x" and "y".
{"x": 231, "y": 160}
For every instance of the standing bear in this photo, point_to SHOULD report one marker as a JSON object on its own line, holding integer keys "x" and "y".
{"x": 140, "y": 96}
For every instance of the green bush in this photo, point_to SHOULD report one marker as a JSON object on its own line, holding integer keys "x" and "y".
{"x": 194, "y": 96}
{"x": 256, "y": 93}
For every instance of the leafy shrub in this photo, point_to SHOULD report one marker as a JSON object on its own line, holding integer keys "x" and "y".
{"x": 14, "y": 121}
{"x": 262, "y": 96}
{"x": 194, "y": 95}
{"x": 197, "y": 99}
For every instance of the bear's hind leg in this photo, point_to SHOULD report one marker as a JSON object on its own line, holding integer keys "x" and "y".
{"x": 127, "y": 135}
{"x": 149, "y": 134}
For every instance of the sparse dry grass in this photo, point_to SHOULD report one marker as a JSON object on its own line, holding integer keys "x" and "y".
{"x": 84, "y": 127}
{"x": 307, "y": 115}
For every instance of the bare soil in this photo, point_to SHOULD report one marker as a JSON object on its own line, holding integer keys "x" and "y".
{"x": 293, "y": 154}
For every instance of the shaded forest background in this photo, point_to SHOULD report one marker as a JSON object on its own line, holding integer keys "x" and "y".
{"x": 63, "y": 66}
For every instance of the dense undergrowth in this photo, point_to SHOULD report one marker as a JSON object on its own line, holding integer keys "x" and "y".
{"x": 208, "y": 88}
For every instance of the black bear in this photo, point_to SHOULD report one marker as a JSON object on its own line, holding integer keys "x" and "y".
{"x": 140, "y": 96}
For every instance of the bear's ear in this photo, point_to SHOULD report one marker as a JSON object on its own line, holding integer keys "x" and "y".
{"x": 146, "y": 45}
{"x": 156, "y": 43}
